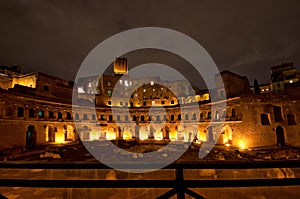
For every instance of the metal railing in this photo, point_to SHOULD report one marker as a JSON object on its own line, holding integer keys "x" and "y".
{"x": 179, "y": 185}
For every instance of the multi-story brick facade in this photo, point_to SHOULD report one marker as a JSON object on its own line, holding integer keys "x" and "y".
{"x": 45, "y": 107}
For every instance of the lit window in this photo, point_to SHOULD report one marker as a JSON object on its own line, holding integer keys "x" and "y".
{"x": 135, "y": 95}
{"x": 152, "y": 83}
{"x": 109, "y": 93}
{"x": 153, "y": 90}
{"x": 144, "y": 90}
{"x": 153, "y": 102}
{"x": 126, "y": 83}
{"x": 162, "y": 88}
{"x": 267, "y": 89}
{"x": 130, "y": 83}
{"x": 108, "y": 83}
{"x": 121, "y": 81}
{"x": 291, "y": 81}
{"x": 90, "y": 84}
{"x": 262, "y": 90}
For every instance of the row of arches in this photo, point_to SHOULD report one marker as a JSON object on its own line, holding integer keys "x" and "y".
{"x": 37, "y": 113}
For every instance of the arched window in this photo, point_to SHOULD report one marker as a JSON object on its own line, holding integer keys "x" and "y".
{"x": 172, "y": 117}
{"x": 69, "y": 116}
{"x": 51, "y": 114}
{"x": 134, "y": 118}
{"x": 172, "y": 101}
{"x": 41, "y": 114}
{"x": 93, "y": 117}
{"x": 9, "y": 111}
{"x": 85, "y": 117}
{"x": 126, "y": 117}
{"x": 118, "y": 118}
{"x": 102, "y": 117}
{"x": 179, "y": 117}
{"x": 20, "y": 112}
{"x": 186, "y": 116}
{"x": 165, "y": 118}
{"x": 59, "y": 115}
{"x": 209, "y": 115}
{"x": 110, "y": 118}
{"x": 31, "y": 113}
{"x": 217, "y": 115}
{"x": 201, "y": 116}
{"x": 157, "y": 118}
{"x": 76, "y": 116}
{"x": 142, "y": 118}
{"x": 194, "y": 116}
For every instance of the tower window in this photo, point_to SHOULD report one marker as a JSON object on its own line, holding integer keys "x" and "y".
{"x": 291, "y": 119}
{"x": 278, "y": 114}
{"x": 264, "y": 119}
{"x": 46, "y": 88}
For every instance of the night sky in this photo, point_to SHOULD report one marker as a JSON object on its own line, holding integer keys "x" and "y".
{"x": 54, "y": 37}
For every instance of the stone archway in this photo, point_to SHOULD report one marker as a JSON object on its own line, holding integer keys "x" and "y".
{"x": 69, "y": 134}
{"x": 50, "y": 132}
{"x": 280, "y": 136}
{"x": 226, "y": 135}
{"x": 85, "y": 133}
{"x": 166, "y": 130}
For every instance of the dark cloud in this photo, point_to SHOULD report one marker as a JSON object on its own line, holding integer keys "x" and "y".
{"x": 243, "y": 36}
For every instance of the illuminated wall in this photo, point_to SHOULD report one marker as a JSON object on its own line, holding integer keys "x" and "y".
{"x": 26, "y": 80}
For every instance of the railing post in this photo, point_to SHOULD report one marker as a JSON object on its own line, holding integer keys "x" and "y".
{"x": 180, "y": 183}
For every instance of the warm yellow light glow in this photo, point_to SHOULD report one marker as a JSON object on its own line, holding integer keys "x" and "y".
{"x": 242, "y": 145}
{"x": 206, "y": 96}
{"x": 94, "y": 135}
{"x": 143, "y": 135}
{"x": 111, "y": 136}
{"x": 173, "y": 135}
{"x": 158, "y": 135}
{"x": 127, "y": 135}
{"x": 29, "y": 81}
{"x": 59, "y": 137}
{"x": 201, "y": 136}
{"x": 225, "y": 139}
{"x": 227, "y": 145}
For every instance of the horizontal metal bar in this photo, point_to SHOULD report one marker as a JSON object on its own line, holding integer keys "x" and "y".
{"x": 151, "y": 165}
{"x": 88, "y": 183}
{"x": 148, "y": 183}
